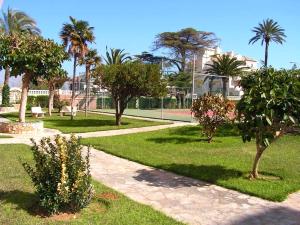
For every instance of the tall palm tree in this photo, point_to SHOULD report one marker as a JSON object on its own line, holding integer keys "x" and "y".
{"x": 15, "y": 22}
{"x": 268, "y": 31}
{"x": 91, "y": 60}
{"x": 75, "y": 36}
{"x": 226, "y": 66}
{"x": 116, "y": 56}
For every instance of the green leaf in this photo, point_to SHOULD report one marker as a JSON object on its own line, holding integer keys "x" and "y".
{"x": 268, "y": 120}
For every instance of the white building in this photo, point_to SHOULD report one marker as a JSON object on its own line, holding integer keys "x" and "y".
{"x": 204, "y": 58}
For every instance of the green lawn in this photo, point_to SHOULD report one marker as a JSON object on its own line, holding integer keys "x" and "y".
{"x": 226, "y": 162}
{"x": 18, "y": 203}
{"x": 5, "y": 136}
{"x": 81, "y": 124}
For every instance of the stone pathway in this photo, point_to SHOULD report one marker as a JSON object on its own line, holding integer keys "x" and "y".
{"x": 189, "y": 200}
{"x": 185, "y": 199}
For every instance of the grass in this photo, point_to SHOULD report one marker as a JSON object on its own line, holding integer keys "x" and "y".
{"x": 225, "y": 162}
{"x": 18, "y": 202}
{"x": 5, "y": 136}
{"x": 81, "y": 124}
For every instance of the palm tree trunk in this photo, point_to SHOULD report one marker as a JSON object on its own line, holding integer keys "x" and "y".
{"x": 7, "y": 76}
{"x": 224, "y": 83}
{"x": 266, "y": 53}
{"x": 73, "y": 87}
{"x": 51, "y": 98}
{"x": 25, "y": 88}
{"x": 87, "y": 82}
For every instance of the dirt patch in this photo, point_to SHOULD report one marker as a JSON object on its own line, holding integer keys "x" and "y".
{"x": 108, "y": 196}
{"x": 63, "y": 216}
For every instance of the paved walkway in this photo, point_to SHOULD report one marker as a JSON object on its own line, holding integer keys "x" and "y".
{"x": 185, "y": 199}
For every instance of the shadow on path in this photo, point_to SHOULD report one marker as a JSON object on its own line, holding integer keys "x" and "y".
{"x": 159, "y": 178}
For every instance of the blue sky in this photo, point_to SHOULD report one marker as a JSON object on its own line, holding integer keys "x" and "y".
{"x": 133, "y": 24}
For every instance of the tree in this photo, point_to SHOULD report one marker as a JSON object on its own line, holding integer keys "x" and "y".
{"x": 16, "y": 22}
{"x": 116, "y": 56}
{"x": 130, "y": 80}
{"x": 268, "y": 109}
{"x": 268, "y": 31}
{"x": 226, "y": 66}
{"x": 55, "y": 82}
{"x": 211, "y": 112}
{"x": 76, "y": 36}
{"x": 91, "y": 60}
{"x": 183, "y": 44}
{"x": 33, "y": 57}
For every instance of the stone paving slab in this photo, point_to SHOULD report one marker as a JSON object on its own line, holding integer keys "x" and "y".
{"x": 189, "y": 200}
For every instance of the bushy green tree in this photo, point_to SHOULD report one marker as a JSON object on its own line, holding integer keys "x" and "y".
{"x": 269, "y": 107}
{"x": 33, "y": 57}
{"x": 61, "y": 174}
{"x": 130, "y": 80}
{"x": 5, "y": 96}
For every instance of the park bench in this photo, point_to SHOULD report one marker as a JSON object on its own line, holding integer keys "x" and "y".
{"x": 37, "y": 112}
{"x": 66, "y": 110}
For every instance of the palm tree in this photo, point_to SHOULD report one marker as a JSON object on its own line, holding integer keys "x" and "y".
{"x": 116, "y": 56}
{"x": 15, "y": 22}
{"x": 226, "y": 66}
{"x": 91, "y": 60}
{"x": 268, "y": 31}
{"x": 76, "y": 36}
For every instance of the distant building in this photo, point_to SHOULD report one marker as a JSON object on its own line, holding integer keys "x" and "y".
{"x": 204, "y": 58}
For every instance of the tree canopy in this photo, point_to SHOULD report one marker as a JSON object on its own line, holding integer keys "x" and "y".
{"x": 33, "y": 57}
{"x": 269, "y": 107}
{"x": 183, "y": 44}
{"x": 129, "y": 80}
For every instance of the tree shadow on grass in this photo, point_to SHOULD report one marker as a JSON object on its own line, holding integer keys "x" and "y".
{"x": 161, "y": 178}
{"x": 23, "y": 200}
{"x": 180, "y": 140}
{"x": 226, "y": 130}
{"x": 83, "y": 122}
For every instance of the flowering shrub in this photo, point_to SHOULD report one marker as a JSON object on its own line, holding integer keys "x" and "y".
{"x": 211, "y": 112}
{"x": 61, "y": 175}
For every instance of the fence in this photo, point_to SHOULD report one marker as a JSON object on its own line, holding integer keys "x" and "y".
{"x": 175, "y": 106}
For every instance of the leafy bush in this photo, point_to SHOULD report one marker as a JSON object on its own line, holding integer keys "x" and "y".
{"x": 211, "y": 112}
{"x": 59, "y": 104}
{"x": 40, "y": 100}
{"x": 61, "y": 175}
{"x": 5, "y": 96}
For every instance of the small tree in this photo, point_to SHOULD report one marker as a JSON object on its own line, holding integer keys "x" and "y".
{"x": 130, "y": 80}
{"x": 61, "y": 174}
{"x": 211, "y": 112}
{"x": 268, "y": 108}
{"x": 32, "y": 57}
{"x": 5, "y": 96}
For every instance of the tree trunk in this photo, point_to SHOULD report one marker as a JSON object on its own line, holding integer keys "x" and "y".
{"x": 224, "y": 83}
{"x": 87, "y": 88}
{"x": 259, "y": 151}
{"x": 7, "y": 76}
{"x": 51, "y": 98}
{"x": 266, "y": 53}
{"x": 118, "y": 113}
{"x": 73, "y": 87}
{"x": 25, "y": 88}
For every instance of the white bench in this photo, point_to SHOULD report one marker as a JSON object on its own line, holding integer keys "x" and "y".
{"x": 37, "y": 112}
{"x": 66, "y": 110}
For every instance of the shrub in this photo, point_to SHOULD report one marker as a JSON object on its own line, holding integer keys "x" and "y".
{"x": 61, "y": 175}
{"x": 40, "y": 100}
{"x": 58, "y": 104}
{"x": 5, "y": 96}
{"x": 211, "y": 112}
